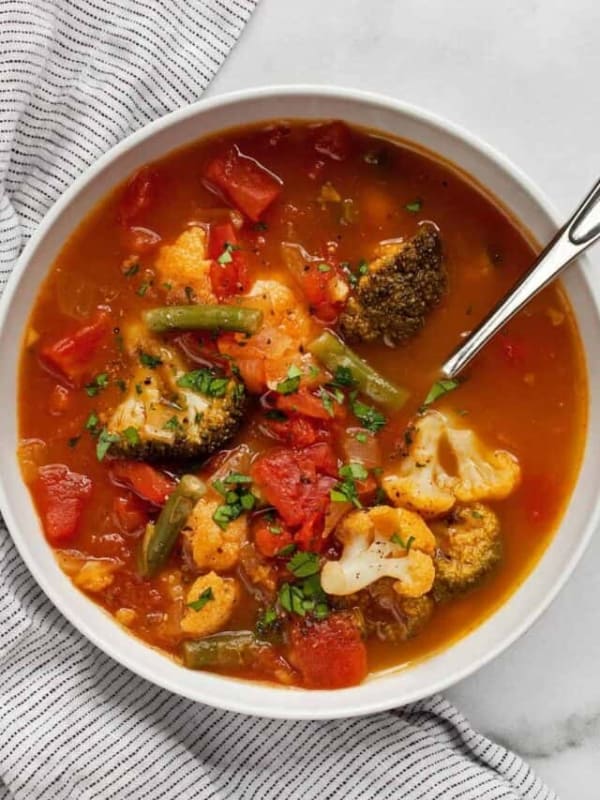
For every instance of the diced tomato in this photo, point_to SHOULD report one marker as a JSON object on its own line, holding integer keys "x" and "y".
{"x": 317, "y": 285}
{"x": 299, "y": 431}
{"x": 148, "y": 483}
{"x": 244, "y": 182}
{"x": 297, "y": 482}
{"x": 231, "y": 277}
{"x": 333, "y": 140}
{"x": 253, "y": 373}
{"x": 304, "y": 402}
{"x": 329, "y": 654}
{"x": 130, "y": 512}
{"x": 137, "y": 196}
{"x": 59, "y": 400}
{"x": 62, "y": 497}
{"x": 270, "y": 536}
{"x": 71, "y": 355}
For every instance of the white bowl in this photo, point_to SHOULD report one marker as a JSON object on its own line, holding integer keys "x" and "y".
{"x": 382, "y": 691}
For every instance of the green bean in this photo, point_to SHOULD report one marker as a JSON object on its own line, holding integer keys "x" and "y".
{"x": 333, "y": 353}
{"x": 203, "y": 317}
{"x": 229, "y": 650}
{"x": 160, "y": 536}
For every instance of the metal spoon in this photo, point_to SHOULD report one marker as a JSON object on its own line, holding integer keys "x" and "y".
{"x": 581, "y": 231}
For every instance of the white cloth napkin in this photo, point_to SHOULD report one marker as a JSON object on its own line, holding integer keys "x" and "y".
{"x": 75, "y": 77}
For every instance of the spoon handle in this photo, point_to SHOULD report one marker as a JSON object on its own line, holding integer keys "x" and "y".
{"x": 581, "y": 231}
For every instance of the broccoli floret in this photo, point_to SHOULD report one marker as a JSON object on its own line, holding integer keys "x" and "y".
{"x": 469, "y": 546}
{"x": 397, "y": 291}
{"x": 170, "y": 413}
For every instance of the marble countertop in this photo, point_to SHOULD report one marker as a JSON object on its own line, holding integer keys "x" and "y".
{"x": 521, "y": 75}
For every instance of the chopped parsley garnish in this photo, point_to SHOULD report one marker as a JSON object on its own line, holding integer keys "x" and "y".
{"x": 205, "y": 382}
{"x": 291, "y": 384}
{"x": 329, "y": 396}
{"x": 345, "y": 490}
{"x": 143, "y": 288}
{"x": 132, "y": 270}
{"x": 304, "y": 598}
{"x": 362, "y": 437}
{"x": 363, "y": 267}
{"x": 369, "y": 417}
{"x": 150, "y": 361}
{"x": 237, "y": 499}
{"x": 276, "y": 415}
{"x": 131, "y": 435}
{"x": 105, "y": 439}
{"x": 203, "y": 598}
{"x": 226, "y": 257}
{"x": 439, "y": 389}
{"x": 286, "y": 551}
{"x": 172, "y": 424}
{"x": 303, "y": 564}
{"x": 267, "y": 622}
{"x": 96, "y": 384}
{"x": 91, "y": 423}
{"x": 405, "y": 545}
{"x": 414, "y": 206}
{"x": 324, "y": 268}
{"x": 343, "y": 378}
{"x": 72, "y": 442}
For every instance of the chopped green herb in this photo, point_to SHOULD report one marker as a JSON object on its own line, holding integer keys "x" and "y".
{"x": 132, "y": 270}
{"x": 302, "y": 564}
{"x": 414, "y": 207}
{"x": 131, "y": 435}
{"x": 363, "y": 267}
{"x": 143, "y": 288}
{"x": 405, "y": 545}
{"x": 369, "y": 417}
{"x": 326, "y": 401}
{"x": 237, "y": 500}
{"x": 304, "y": 598}
{"x": 72, "y": 442}
{"x": 172, "y": 424}
{"x": 313, "y": 371}
{"x": 354, "y": 470}
{"x": 439, "y": 389}
{"x": 324, "y": 268}
{"x": 267, "y": 621}
{"x": 105, "y": 439}
{"x": 91, "y": 423}
{"x": 286, "y": 551}
{"x": 148, "y": 360}
{"x": 345, "y": 490}
{"x": 96, "y": 384}
{"x": 344, "y": 378}
{"x": 291, "y": 384}
{"x": 362, "y": 437}
{"x": 226, "y": 257}
{"x": 276, "y": 414}
{"x": 238, "y": 477}
{"x": 203, "y": 598}
{"x": 205, "y": 382}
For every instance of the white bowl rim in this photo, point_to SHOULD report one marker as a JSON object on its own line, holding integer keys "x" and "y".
{"x": 321, "y": 709}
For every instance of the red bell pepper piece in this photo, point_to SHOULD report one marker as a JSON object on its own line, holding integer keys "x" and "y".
{"x": 148, "y": 483}
{"x": 242, "y": 181}
{"x": 329, "y": 654}
{"x": 62, "y": 497}
{"x": 270, "y": 536}
{"x": 72, "y": 354}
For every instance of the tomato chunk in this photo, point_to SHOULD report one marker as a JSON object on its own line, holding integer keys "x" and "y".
{"x": 130, "y": 512}
{"x": 228, "y": 271}
{"x": 62, "y": 497}
{"x": 270, "y": 536}
{"x": 297, "y": 482}
{"x": 298, "y": 431}
{"x": 324, "y": 286}
{"x": 329, "y": 654}
{"x": 244, "y": 182}
{"x": 71, "y": 355}
{"x": 148, "y": 483}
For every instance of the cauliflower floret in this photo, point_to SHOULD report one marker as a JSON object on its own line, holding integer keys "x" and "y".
{"x": 421, "y": 482}
{"x": 469, "y": 546}
{"x": 216, "y": 598}
{"x": 184, "y": 263}
{"x": 95, "y": 576}
{"x": 482, "y": 474}
{"x": 212, "y": 547}
{"x": 380, "y": 542}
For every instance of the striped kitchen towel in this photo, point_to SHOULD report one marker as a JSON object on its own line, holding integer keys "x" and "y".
{"x": 75, "y": 77}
